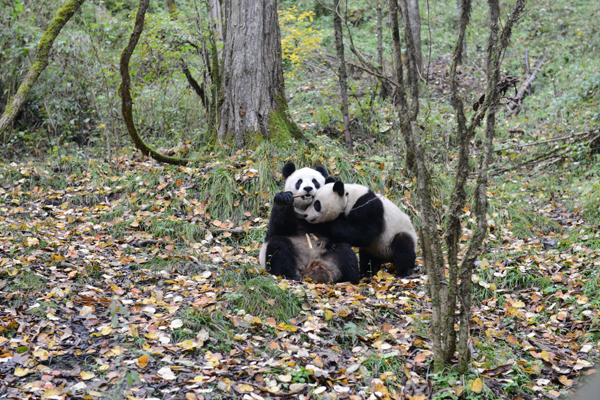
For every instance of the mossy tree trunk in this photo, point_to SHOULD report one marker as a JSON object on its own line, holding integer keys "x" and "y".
{"x": 254, "y": 104}
{"x": 41, "y": 61}
{"x": 125, "y": 93}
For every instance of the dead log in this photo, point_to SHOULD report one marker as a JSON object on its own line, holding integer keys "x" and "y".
{"x": 516, "y": 105}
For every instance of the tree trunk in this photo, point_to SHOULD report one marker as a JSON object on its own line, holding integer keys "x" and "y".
{"x": 41, "y": 61}
{"x": 397, "y": 52}
{"x": 342, "y": 75}
{"x": 254, "y": 104}
{"x": 459, "y": 5}
{"x": 379, "y": 34}
{"x": 415, "y": 27}
{"x": 124, "y": 91}
{"x": 384, "y": 90}
{"x": 172, "y": 7}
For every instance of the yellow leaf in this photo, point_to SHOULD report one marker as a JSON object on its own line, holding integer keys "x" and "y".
{"x": 41, "y": 354}
{"x": 518, "y": 304}
{"x": 476, "y": 385}
{"x": 245, "y": 388}
{"x": 142, "y": 361}
{"x": 328, "y": 315}
{"x": 187, "y": 344}
{"x": 87, "y": 375}
{"x": 582, "y": 300}
{"x": 545, "y": 356}
{"x": 106, "y": 330}
{"x": 31, "y": 241}
{"x": 21, "y": 371}
{"x": 565, "y": 381}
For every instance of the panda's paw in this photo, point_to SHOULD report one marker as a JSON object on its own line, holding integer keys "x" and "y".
{"x": 284, "y": 198}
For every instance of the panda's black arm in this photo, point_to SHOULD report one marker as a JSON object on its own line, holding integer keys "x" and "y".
{"x": 346, "y": 230}
{"x": 283, "y": 220}
{"x": 360, "y": 227}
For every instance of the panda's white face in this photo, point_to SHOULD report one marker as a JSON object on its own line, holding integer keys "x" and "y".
{"x": 329, "y": 202}
{"x": 305, "y": 181}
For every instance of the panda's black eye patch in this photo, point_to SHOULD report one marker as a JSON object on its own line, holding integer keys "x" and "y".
{"x": 316, "y": 183}
{"x": 317, "y": 206}
{"x": 298, "y": 184}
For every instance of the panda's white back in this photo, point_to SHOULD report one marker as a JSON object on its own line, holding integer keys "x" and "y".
{"x": 395, "y": 222}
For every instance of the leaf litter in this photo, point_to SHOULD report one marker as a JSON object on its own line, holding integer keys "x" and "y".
{"x": 97, "y": 304}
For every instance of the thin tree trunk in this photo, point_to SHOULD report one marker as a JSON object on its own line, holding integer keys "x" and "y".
{"x": 342, "y": 75}
{"x": 415, "y": 27}
{"x": 384, "y": 90}
{"x": 459, "y": 4}
{"x": 124, "y": 91}
{"x": 397, "y": 52}
{"x": 172, "y": 8}
{"x": 254, "y": 104}
{"x": 41, "y": 61}
{"x": 379, "y": 34}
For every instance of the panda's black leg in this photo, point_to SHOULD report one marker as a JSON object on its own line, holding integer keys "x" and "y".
{"x": 404, "y": 250}
{"x": 369, "y": 265}
{"x": 281, "y": 259}
{"x": 345, "y": 258}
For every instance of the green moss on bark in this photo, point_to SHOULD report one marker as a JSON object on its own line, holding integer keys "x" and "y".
{"x": 41, "y": 61}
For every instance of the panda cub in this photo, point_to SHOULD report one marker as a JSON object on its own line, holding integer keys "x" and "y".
{"x": 354, "y": 214}
{"x": 291, "y": 248}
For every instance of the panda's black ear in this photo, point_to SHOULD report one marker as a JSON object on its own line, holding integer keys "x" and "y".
{"x": 321, "y": 169}
{"x": 330, "y": 179}
{"x": 288, "y": 169}
{"x": 338, "y": 187}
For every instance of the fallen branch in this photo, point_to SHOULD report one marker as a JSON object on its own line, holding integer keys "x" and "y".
{"x": 537, "y": 159}
{"x": 584, "y": 135}
{"x": 515, "y": 105}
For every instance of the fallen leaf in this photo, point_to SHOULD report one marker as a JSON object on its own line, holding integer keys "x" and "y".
{"x": 166, "y": 373}
{"x": 86, "y": 376}
{"x": 476, "y": 385}
{"x": 142, "y": 361}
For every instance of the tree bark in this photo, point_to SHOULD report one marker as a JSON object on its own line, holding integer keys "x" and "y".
{"x": 379, "y": 34}
{"x": 41, "y": 61}
{"x": 254, "y": 105}
{"x": 459, "y": 4}
{"x": 415, "y": 27}
{"x": 399, "y": 72}
{"x": 172, "y": 7}
{"x": 384, "y": 89}
{"x": 124, "y": 91}
{"x": 342, "y": 75}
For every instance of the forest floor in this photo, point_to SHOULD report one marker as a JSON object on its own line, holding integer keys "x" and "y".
{"x": 117, "y": 283}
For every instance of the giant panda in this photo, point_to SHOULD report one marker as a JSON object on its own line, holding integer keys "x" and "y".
{"x": 291, "y": 249}
{"x": 355, "y": 215}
